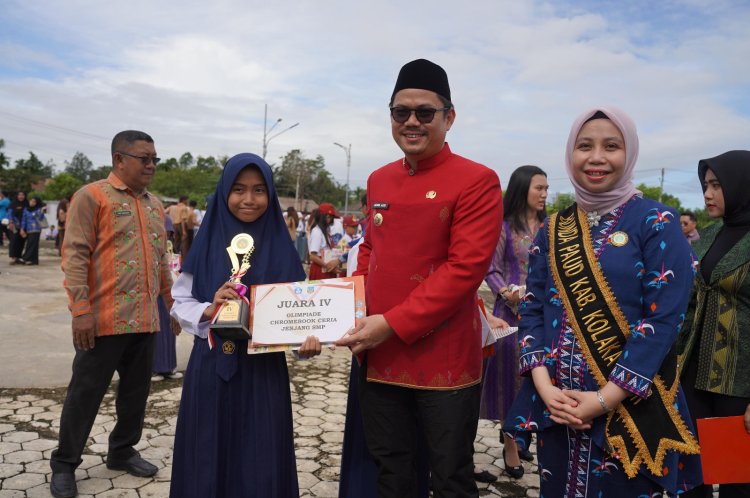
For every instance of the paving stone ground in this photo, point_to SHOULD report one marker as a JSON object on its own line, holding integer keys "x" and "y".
{"x": 35, "y": 366}
{"x": 30, "y": 418}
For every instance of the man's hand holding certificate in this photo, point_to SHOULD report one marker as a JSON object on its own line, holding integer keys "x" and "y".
{"x": 283, "y": 315}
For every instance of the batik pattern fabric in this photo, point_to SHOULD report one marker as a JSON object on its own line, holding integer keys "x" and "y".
{"x": 501, "y": 380}
{"x": 720, "y": 329}
{"x": 648, "y": 265}
{"x": 114, "y": 257}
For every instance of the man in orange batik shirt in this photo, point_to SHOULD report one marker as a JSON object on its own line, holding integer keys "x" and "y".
{"x": 115, "y": 266}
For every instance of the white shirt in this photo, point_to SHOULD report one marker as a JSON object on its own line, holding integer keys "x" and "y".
{"x": 186, "y": 309}
{"x": 189, "y": 311}
{"x": 337, "y": 227}
{"x": 317, "y": 241}
{"x": 351, "y": 262}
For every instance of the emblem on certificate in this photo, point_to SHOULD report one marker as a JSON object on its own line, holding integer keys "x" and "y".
{"x": 232, "y": 320}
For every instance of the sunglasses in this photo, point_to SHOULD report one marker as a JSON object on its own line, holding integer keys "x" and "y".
{"x": 144, "y": 159}
{"x": 424, "y": 115}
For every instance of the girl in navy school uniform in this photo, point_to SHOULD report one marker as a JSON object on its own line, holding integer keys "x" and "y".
{"x": 234, "y": 430}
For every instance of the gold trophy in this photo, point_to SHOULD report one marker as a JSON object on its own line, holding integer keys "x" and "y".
{"x": 232, "y": 319}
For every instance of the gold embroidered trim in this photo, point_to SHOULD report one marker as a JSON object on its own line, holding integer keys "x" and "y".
{"x": 464, "y": 380}
{"x": 655, "y": 465}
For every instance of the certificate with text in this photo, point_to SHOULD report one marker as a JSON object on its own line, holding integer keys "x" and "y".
{"x": 283, "y": 315}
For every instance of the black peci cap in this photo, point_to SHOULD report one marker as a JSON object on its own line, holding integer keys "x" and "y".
{"x": 424, "y": 75}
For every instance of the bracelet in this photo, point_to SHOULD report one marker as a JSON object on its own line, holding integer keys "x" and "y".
{"x": 602, "y": 402}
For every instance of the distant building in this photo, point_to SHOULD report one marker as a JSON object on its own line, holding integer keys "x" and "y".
{"x": 302, "y": 204}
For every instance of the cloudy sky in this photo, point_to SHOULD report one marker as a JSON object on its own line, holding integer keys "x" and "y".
{"x": 197, "y": 75}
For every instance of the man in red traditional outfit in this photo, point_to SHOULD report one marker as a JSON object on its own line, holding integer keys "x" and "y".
{"x": 434, "y": 220}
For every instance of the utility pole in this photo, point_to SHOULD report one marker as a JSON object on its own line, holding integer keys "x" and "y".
{"x": 296, "y": 189}
{"x": 267, "y": 131}
{"x": 661, "y": 185}
{"x": 348, "y": 151}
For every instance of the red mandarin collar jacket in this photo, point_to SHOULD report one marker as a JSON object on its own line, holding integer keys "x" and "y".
{"x": 429, "y": 243}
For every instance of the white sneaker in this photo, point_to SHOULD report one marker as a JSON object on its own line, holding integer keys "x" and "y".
{"x": 156, "y": 378}
{"x": 173, "y": 375}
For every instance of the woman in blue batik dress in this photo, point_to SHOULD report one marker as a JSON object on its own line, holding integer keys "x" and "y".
{"x": 608, "y": 284}
{"x": 234, "y": 434}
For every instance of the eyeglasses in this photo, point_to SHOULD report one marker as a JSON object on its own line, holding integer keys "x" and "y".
{"x": 424, "y": 115}
{"x": 144, "y": 159}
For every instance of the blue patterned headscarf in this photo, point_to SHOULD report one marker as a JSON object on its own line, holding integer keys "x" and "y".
{"x": 274, "y": 259}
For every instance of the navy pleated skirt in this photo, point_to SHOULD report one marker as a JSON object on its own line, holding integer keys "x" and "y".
{"x": 165, "y": 354}
{"x": 359, "y": 474}
{"x": 234, "y": 430}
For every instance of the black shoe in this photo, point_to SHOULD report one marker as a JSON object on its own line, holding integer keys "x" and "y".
{"x": 525, "y": 455}
{"x": 135, "y": 466}
{"x": 514, "y": 472}
{"x": 484, "y": 476}
{"x": 63, "y": 485}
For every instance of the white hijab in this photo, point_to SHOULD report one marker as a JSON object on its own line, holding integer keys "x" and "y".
{"x": 624, "y": 189}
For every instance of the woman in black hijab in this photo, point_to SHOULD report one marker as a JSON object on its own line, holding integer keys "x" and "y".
{"x": 15, "y": 213}
{"x": 715, "y": 347}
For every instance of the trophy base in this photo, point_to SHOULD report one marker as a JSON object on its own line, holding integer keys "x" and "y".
{"x": 229, "y": 333}
{"x": 231, "y": 321}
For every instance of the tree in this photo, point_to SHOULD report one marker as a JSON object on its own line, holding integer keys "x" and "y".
{"x": 100, "y": 173}
{"x": 168, "y": 164}
{"x": 186, "y": 160}
{"x": 205, "y": 163}
{"x": 657, "y": 194}
{"x": 80, "y": 167}
{"x": 4, "y": 161}
{"x": 63, "y": 185}
{"x": 35, "y": 167}
{"x": 561, "y": 201}
{"x": 25, "y": 174}
{"x": 196, "y": 184}
{"x": 307, "y": 178}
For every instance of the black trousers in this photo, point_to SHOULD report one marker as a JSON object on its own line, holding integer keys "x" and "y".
{"x": 15, "y": 250}
{"x": 131, "y": 356}
{"x": 31, "y": 252}
{"x": 186, "y": 241}
{"x": 449, "y": 420}
{"x": 704, "y": 404}
{"x": 177, "y": 245}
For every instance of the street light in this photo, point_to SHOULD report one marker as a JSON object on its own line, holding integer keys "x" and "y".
{"x": 348, "y": 151}
{"x": 267, "y": 131}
